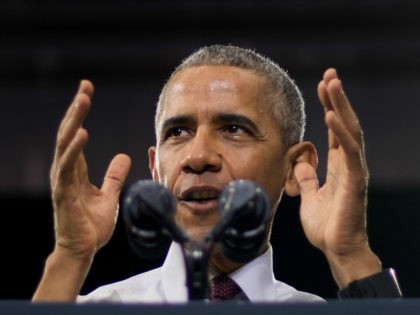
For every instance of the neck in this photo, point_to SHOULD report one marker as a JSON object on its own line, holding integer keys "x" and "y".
{"x": 219, "y": 264}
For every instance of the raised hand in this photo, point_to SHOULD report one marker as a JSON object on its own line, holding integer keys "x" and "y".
{"x": 84, "y": 215}
{"x": 334, "y": 216}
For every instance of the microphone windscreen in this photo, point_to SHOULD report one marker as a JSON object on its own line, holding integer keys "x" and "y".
{"x": 147, "y": 206}
{"x": 246, "y": 207}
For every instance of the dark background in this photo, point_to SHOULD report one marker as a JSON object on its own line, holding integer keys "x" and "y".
{"x": 129, "y": 48}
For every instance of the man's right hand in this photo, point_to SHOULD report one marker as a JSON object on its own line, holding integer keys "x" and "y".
{"x": 84, "y": 215}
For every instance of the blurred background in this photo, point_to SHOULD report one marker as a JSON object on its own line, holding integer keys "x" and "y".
{"x": 129, "y": 48}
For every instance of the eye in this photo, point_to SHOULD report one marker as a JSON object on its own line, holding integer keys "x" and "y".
{"x": 236, "y": 129}
{"x": 176, "y": 132}
{"x": 232, "y": 128}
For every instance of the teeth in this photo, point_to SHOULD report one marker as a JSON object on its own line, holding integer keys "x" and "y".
{"x": 204, "y": 194}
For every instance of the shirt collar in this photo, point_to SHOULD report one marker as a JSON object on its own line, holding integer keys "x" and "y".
{"x": 174, "y": 275}
{"x": 255, "y": 278}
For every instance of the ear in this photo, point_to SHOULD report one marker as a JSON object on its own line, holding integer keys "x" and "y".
{"x": 152, "y": 163}
{"x": 302, "y": 152}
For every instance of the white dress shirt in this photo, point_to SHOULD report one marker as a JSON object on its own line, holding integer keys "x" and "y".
{"x": 167, "y": 284}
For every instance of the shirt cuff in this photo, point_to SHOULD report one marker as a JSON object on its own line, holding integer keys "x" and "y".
{"x": 383, "y": 284}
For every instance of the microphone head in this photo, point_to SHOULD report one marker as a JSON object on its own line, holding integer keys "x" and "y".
{"x": 147, "y": 209}
{"x": 244, "y": 208}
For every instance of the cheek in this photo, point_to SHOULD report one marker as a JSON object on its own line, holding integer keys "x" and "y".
{"x": 264, "y": 168}
{"x": 164, "y": 170}
{"x": 272, "y": 180}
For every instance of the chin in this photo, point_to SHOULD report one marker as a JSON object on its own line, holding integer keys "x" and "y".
{"x": 197, "y": 233}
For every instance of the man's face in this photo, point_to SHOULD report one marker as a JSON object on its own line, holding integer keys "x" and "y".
{"x": 215, "y": 128}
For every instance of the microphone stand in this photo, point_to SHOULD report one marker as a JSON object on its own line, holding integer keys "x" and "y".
{"x": 196, "y": 258}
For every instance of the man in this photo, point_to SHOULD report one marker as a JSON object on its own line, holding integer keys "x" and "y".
{"x": 226, "y": 113}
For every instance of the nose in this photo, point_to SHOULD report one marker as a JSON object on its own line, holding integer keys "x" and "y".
{"x": 202, "y": 154}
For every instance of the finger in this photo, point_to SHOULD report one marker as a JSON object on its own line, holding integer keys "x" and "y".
{"x": 353, "y": 151}
{"x": 72, "y": 122}
{"x": 116, "y": 174}
{"x": 307, "y": 180}
{"x": 343, "y": 108}
{"x": 85, "y": 87}
{"x": 323, "y": 96}
{"x": 329, "y": 74}
{"x": 66, "y": 163}
{"x": 326, "y": 102}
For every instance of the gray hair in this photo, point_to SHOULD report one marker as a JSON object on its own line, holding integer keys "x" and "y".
{"x": 283, "y": 96}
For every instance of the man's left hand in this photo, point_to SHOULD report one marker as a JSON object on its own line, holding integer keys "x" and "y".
{"x": 334, "y": 215}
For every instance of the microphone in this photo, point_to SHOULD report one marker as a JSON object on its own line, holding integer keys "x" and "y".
{"x": 244, "y": 209}
{"x": 148, "y": 210}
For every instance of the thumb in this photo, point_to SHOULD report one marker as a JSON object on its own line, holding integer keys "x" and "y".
{"x": 307, "y": 180}
{"x": 116, "y": 174}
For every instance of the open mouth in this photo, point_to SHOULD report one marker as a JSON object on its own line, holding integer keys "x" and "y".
{"x": 201, "y": 196}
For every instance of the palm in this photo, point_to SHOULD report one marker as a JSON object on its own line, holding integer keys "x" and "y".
{"x": 328, "y": 216}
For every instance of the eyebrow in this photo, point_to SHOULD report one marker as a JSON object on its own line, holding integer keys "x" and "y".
{"x": 236, "y": 119}
{"x": 184, "y": 120}
{"x": 181, "y": 120}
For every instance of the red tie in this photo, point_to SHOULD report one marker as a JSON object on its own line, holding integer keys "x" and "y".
{"x": 223, "y": 288}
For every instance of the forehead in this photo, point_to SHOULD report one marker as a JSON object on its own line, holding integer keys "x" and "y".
{"x": 211, "y": 87}
{"x": 215, "y": 78}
